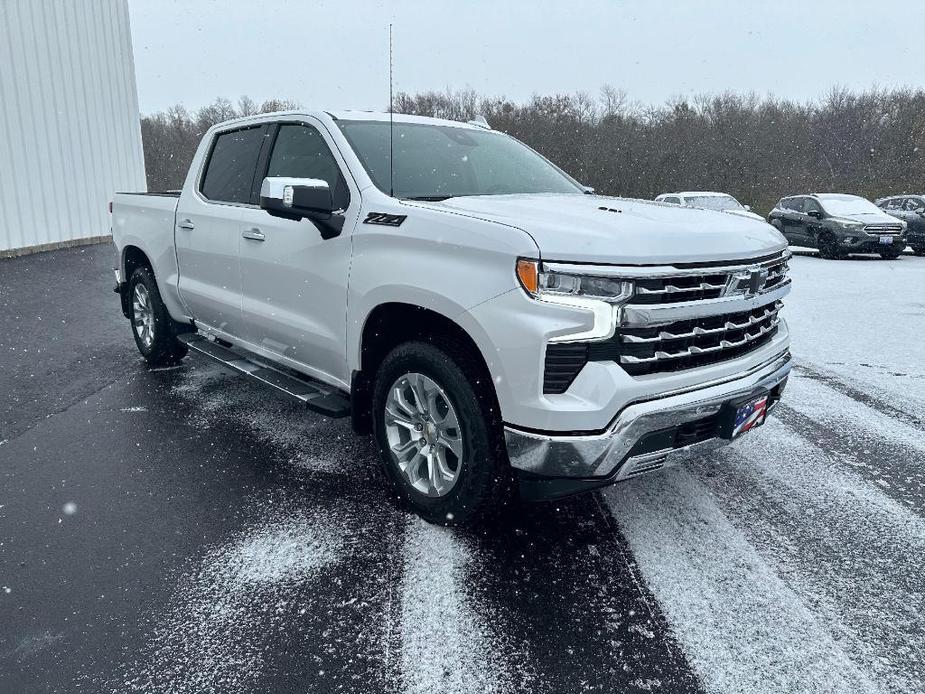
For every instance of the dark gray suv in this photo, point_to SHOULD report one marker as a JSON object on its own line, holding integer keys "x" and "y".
{"x": 910, "y": 209}
{"x": 838, "y": 225}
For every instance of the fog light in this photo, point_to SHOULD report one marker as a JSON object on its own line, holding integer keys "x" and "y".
{"x": 848, "y": 240}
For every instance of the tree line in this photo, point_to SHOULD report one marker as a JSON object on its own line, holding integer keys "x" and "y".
{"x": 758, "y": 149}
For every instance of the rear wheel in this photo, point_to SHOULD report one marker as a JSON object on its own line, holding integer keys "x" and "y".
{"x": 155, "y": 332}
{"x": 440, "y": 443}
{"x": 828, "y": 246}
{"x": 891, "y": 254}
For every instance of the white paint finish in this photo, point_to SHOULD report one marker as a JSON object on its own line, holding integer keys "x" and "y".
{"x": 69, "y": 124}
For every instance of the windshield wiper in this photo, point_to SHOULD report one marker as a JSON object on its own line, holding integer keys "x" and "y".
{"x": 430, "y": 198}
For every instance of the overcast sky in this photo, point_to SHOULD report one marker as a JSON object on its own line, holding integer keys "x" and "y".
{"x": 335, "y": 54}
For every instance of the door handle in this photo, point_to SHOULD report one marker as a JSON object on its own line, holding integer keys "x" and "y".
{"x": 253, "y": 234}
{"x": 187, "y": 224}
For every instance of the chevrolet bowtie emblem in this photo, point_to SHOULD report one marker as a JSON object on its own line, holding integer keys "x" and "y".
{"x": 747, "y": 283}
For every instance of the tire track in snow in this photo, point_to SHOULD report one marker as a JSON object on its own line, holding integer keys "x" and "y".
{"x": 875, "y": 402}
{"x": 844, "y": 546}
{"x": 742, "y": 627}
{"x": 445, "y": 644}
{"x": 561, "y": 573}
{"x": 889, "y": 453}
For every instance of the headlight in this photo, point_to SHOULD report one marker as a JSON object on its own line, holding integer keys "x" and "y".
{"x": 548, "y": 285}
{"x": 602, "y": 296}
{"x": 853, "y": 226}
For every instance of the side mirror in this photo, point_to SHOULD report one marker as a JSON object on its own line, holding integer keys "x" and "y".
{"x": 300, "y": 198}
{"x": 295, "y": 198}
{"x": 748, "y": 208}
{"x": 815, "y": 214}
{"x": 920, "y": 211}
{"x": 588, "y": 190}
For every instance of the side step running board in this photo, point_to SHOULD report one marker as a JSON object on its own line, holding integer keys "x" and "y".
{"x": 316, "y": 396}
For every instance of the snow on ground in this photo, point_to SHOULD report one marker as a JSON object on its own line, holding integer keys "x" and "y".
{"x": 863, "y": 318}
{"x": 308, "y": 441}
{"x": 446, "y": 646}
{"x": 214, "y": 635}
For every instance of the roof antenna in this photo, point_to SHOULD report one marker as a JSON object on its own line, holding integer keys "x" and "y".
{"x": 391, "y": 126}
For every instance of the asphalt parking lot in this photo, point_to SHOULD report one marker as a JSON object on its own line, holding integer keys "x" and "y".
{"x": 180, "y": 530}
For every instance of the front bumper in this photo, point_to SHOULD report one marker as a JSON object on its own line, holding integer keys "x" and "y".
{"x": 644, "y": 436}
{"x": 871, "y": 244}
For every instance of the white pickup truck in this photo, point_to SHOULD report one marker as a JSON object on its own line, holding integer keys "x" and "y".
{"x": 493, "y": 324}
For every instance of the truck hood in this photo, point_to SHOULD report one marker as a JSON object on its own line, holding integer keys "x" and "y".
{"x": 867, "y": 218}
{"x": 596, "y": 229}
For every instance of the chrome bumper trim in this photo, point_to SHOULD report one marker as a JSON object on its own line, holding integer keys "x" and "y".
{"x": 600, "y": 455}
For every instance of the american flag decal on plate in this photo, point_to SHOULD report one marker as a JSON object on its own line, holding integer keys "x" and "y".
{"x": 749, "y": 416}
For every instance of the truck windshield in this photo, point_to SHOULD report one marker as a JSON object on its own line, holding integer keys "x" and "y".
{"x": 435, "y": 162}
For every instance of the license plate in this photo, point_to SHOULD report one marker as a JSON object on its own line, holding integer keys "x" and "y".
{"x": 886, "y": 240}
{"x": 743, "y": 414}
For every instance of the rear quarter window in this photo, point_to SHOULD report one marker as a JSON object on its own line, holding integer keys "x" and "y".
{"x": 232, "y": 164}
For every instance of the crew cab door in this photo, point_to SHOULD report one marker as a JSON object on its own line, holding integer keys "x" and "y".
{"x": 208, "y": 229}
{"x": 812, "y": 225}
{"x": 294, "y": 282}
{"x": 790, "y": 215}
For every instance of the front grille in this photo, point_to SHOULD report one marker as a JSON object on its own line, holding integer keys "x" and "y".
{"x": 707, "y": 284}
{"x": 669, "y": 290}
{"x": 884, "y": 228}
{"x": 682, "y": 317}
{"x": 689, "y": 343}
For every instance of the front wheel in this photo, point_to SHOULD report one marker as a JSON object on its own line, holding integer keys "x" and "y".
{"x": 154, "y": 330}
{"x": 891, "y": 255}
{"x": 438, "y": 434}
{"x": 919, "y": 251}
{"x": 828, "y": 247}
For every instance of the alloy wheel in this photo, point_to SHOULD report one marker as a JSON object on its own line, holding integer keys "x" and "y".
{"x": 143, "y": 315}
{"x": 424, "y": 435}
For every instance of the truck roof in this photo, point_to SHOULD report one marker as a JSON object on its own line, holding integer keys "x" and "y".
{"x": 381, "y": 116}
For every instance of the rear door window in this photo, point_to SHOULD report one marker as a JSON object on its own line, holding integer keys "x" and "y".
{"x": 232, "y": 163}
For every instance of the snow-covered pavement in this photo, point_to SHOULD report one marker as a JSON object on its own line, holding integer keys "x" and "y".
{"x": 225, "y": 541}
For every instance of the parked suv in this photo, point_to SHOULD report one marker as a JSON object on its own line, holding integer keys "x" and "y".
{"x": 463, "y": 300}
{"x": 838, "y": 225}
{"x": 722, "y": 202}
{"x": 910, "y": 209}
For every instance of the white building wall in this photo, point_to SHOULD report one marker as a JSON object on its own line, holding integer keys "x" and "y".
{"x": 69, "y": 125}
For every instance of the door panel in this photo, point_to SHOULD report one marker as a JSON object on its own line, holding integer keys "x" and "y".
{"x": 210, "y": 275}
{"x": 294, "y": 283}
{"x": 208, "y": 234}
{"x": 792, "y": 226}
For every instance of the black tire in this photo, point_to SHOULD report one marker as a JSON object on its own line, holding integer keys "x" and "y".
{"x": 162, "y": 348}
{"x": 483, "y": 484}
{"x": 919, "y": 251}
{"x": 891, "y": 255}
{"x": 828, "y": 246}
